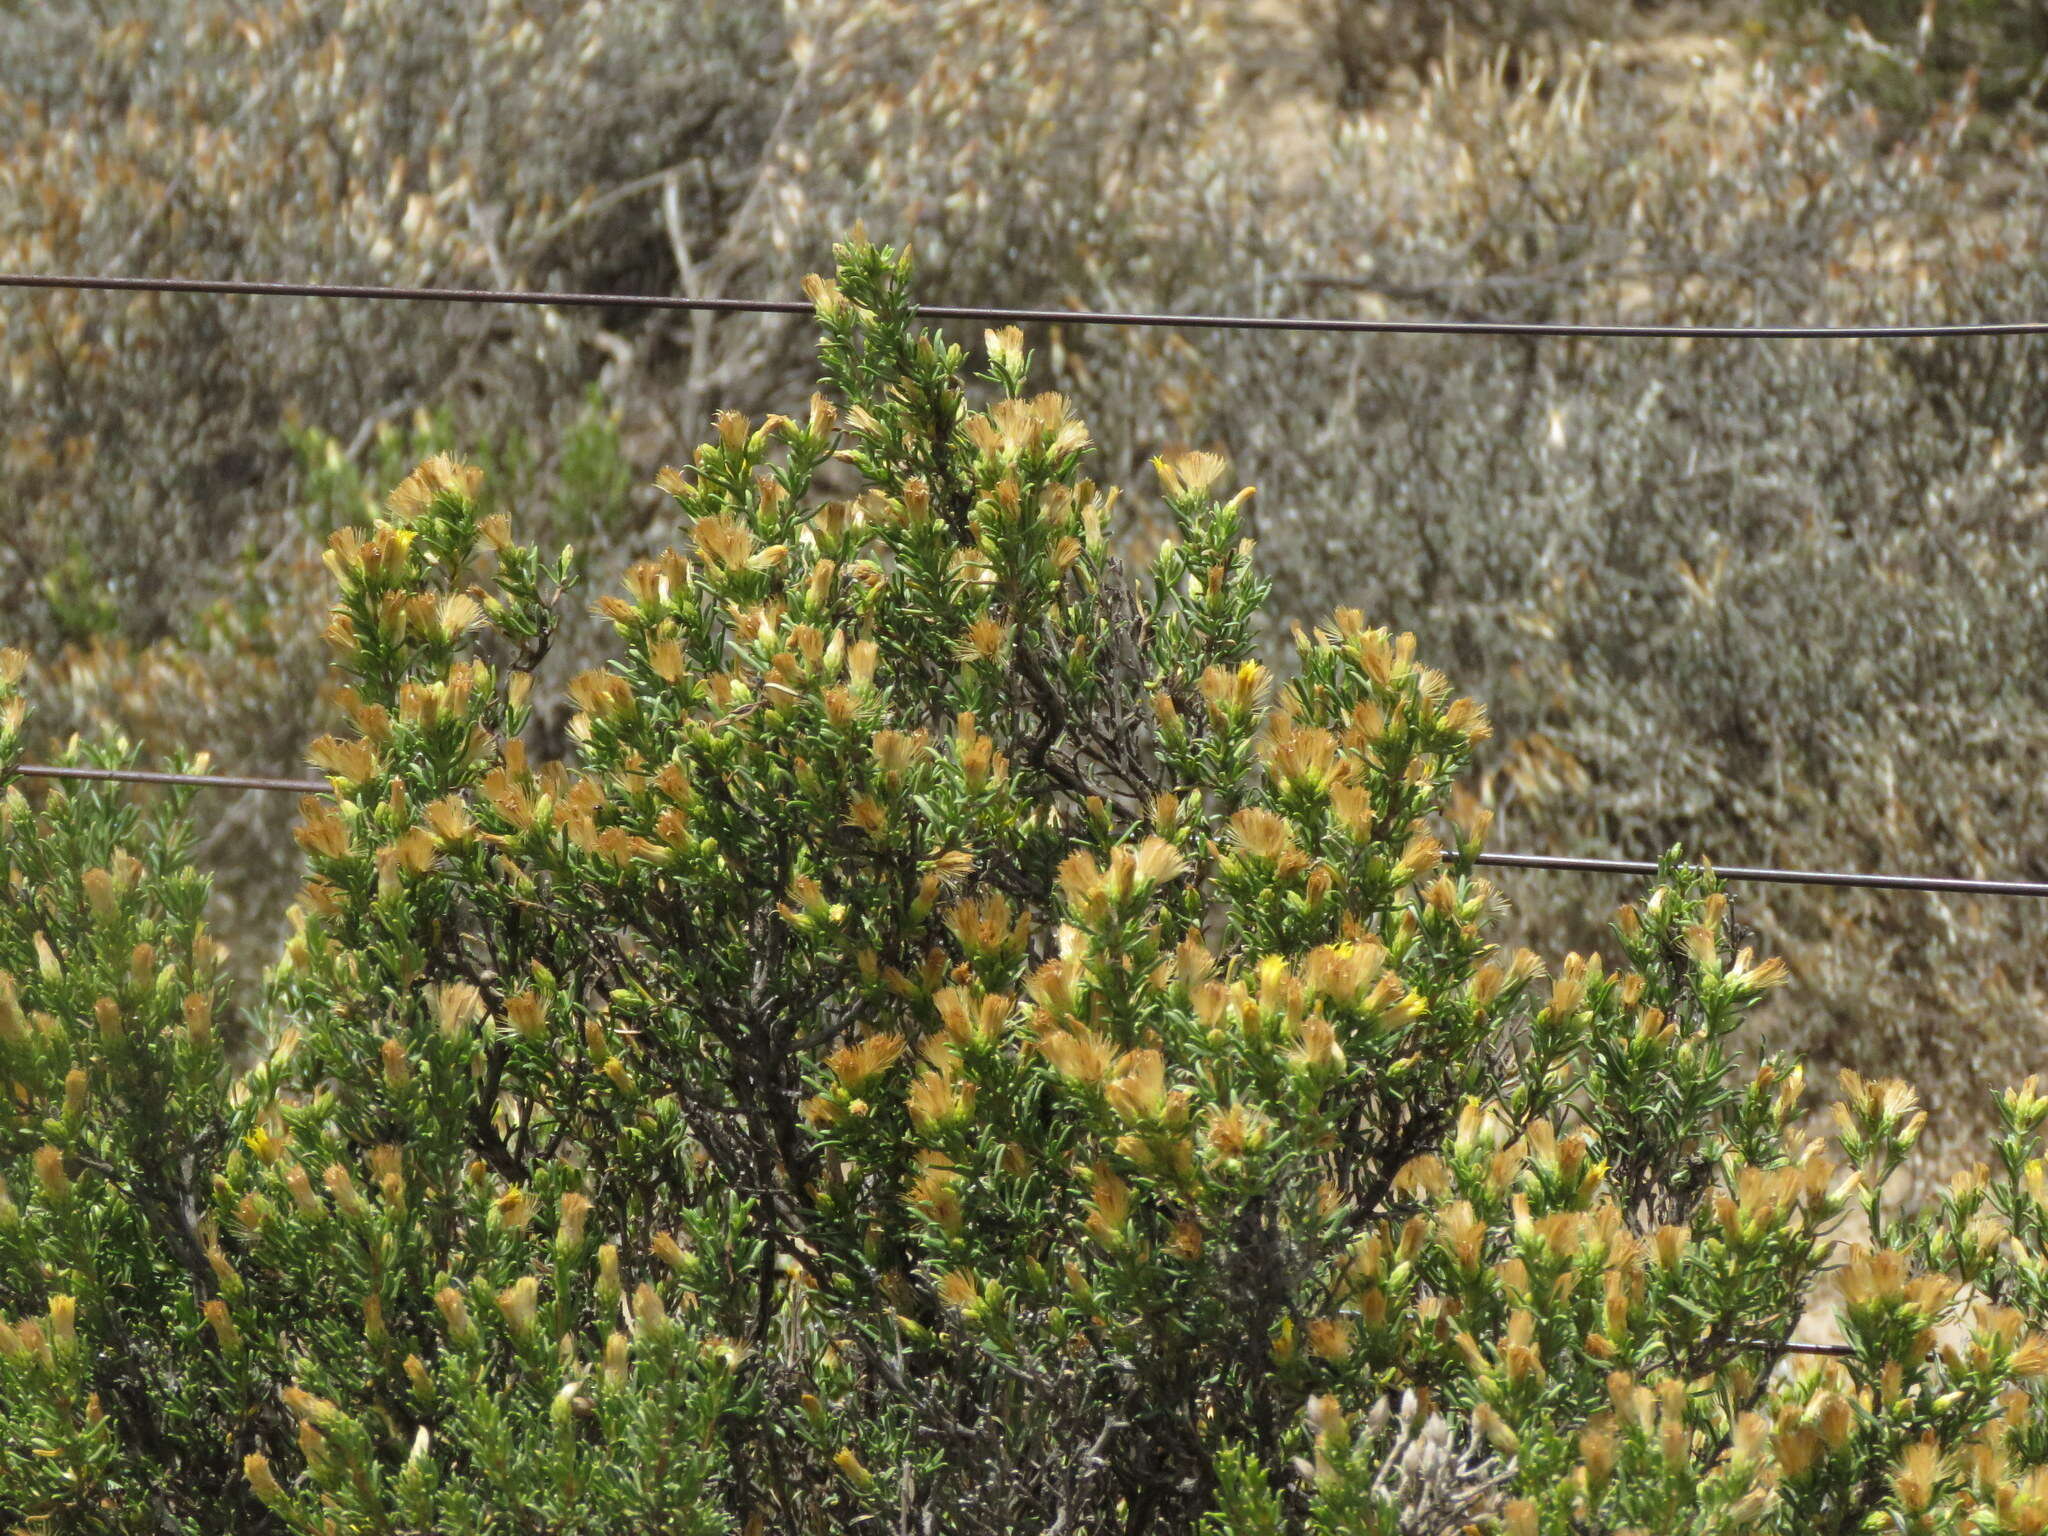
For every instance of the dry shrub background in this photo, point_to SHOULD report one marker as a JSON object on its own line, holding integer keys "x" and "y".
{"x": 1782, "y": 602}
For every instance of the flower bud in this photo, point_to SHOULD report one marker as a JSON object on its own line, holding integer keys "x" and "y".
{"x": 64, "y": 1325}
{"x": 13, "y": 1030}
{"x": 256, "y": 1467}
{"x": 850, "y": 1468}
{"x": 301, "y": 1188}
{"x": 520, "y": 1304}
{"x": 563, "y": 1409}
{"x": 455, "y": 1313}
{"x": 199, "y": 1019}
{"x": 648, "y": 1311}
{"x": 573, "y": 1212}
{"x": 50, "y": 1170}
{"x": 343, "y": 1188}
{"x": 223, "y": 1326}
{"x": 422, "y": 1382}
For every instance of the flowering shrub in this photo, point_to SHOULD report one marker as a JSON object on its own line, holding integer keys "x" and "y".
{"x": 959, "y": 1048}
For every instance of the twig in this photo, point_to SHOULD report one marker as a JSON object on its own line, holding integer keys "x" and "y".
{"x": 700, "y": 320}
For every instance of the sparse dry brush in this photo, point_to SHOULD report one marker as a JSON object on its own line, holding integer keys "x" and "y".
{"x": 958, "y": 1045}
{"x": 1909, "y": 55}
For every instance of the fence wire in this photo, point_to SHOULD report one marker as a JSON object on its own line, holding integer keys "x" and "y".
{"x": 234, "y": 288}
{"x": 1757, "y": 874}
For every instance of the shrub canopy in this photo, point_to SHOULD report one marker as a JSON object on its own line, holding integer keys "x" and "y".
{"x": 960, "y": 1047}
